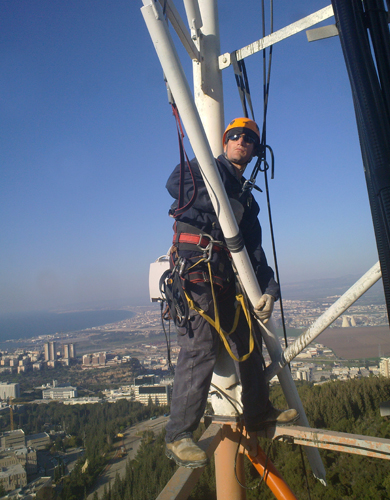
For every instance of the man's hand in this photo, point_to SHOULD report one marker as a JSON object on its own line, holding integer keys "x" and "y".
{"x": 264, "y": 307}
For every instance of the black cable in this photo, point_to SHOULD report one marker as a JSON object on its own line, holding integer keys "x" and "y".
{"x": 167, "y": 337}
{"x": 305, "y": 471}
{"x": 265, "y": 467}
{"x": 266, "y": 167}
{"x": 243, "y": 89}
{"x": 228, "y": 398}
{"x": 263, "y": 159}
{"x": 372, "y": 120}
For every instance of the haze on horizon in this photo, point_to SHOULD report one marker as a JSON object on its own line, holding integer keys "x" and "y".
{"x": 88, "y": 141}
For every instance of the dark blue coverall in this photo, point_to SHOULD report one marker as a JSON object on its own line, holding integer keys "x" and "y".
{"x": 198, "y": 340}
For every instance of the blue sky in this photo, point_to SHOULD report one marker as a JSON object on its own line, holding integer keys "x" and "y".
{"x": 88, "y": 140}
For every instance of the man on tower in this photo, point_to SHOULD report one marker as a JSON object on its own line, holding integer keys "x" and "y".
{"x": 201, "y": 259}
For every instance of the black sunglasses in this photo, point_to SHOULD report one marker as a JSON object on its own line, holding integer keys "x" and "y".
{"x": 246, "y": 138}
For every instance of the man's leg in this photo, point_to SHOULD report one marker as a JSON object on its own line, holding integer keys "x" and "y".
{"x": 257, "y": 408}
{"x": 199, "y": 348}
{"x": 255, "y": 390}
{"x": 190, "y": 389}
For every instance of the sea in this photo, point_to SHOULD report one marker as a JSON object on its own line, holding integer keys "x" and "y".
{"x": 15, "y": 326}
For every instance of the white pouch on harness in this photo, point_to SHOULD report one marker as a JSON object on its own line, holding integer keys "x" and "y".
{"x": 156, "y": 270}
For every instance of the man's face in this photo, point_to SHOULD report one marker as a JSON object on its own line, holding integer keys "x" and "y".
{"x": 239, "y": 152}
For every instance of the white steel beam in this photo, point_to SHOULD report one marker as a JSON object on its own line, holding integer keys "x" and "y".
{"x": 326, "y": 319}
{"x": 330, "y": 440}
{"x": 194, "y": 17}
{"x": 208, "y": 89}
{"x": 282, "y": 34}
{"x": 181, "y": 30}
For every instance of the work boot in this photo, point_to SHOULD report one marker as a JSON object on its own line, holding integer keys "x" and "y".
{"x": 275, "y": 417}
{"x": 186, "y": 453}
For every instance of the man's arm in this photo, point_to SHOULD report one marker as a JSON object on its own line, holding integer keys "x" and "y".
{"x": 202, "y": 201}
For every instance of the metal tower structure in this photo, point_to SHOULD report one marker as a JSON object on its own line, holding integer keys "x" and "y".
{"x": 203, "y": 119}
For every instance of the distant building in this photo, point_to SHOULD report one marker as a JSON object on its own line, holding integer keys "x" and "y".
{"x": 14, "y": 361}
{"x": 23, "y": 368}
{"x": 38, "y": 441}
{"x": 158, "y": 394}
{"x": 384, "y": 367}
{"x": 304, "y": 374}
{"x": 69, "y": 351}
{"x": 95, "y": 359}
{"x": 145, "y": 380}
{"x": 13, "y": 477}
{"x": 26, "y": 457}
{"x": 46, "y": 351}
{"x": 83, "y": 401}
{"x": 12, "y": 439}
{"x": 87, "y": 359}
{"x": 39, "y": 488}
{"x": 8, "y": 390}
{"x": 50, "y": 349}
{"x": 60, "y": 393}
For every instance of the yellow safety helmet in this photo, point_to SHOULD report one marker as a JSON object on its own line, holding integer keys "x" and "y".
{"x": 242, "y": 126}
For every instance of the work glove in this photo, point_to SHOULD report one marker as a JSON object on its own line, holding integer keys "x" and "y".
{"x": 264, "y": 307}
{"x": 238, "y": 209}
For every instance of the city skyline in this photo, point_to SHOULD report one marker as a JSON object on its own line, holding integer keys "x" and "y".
{"x": 88, "y": 141}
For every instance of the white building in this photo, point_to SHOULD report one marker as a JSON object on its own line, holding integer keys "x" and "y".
{"x": 60, "y": 393}
{"x": 384, "y": 367}
{"x": 8, "y": 390}
{"x": 158, "y": 394}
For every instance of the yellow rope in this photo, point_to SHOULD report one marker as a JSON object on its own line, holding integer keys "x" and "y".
{"x": 217, "y": 325}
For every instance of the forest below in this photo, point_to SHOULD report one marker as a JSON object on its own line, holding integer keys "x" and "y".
{"x": 351, "y": 406}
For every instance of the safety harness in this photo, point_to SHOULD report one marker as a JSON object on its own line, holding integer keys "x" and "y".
{"x": 216, "y": 323}
{"x": 178, "y": 297}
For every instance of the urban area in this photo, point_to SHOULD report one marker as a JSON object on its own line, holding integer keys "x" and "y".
{"x": 24, "y": 459}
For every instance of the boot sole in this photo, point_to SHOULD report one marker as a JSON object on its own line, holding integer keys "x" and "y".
{"x": 273, "y": 423}
{"x": 184, "y": 463}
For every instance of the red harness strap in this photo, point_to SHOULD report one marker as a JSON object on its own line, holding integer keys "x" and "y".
{"x": 194, "y": 239}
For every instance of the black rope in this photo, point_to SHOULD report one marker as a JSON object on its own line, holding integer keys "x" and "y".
{"x": 262, "y": 478}
{"x": 164, "y": 317}
{"x": 241, "y": 77}
{"x": 265, "y": 169}
{"x": 227, "y": 397}
{"x": 305, "y": 471}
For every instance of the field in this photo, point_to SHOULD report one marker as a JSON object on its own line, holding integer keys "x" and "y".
{"x": 357, "y": 342}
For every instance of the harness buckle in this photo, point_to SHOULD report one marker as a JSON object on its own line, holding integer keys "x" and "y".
{"x": 207, "y": 250}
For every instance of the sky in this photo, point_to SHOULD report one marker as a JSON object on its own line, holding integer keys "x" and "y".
{"x": 88, "y": 140}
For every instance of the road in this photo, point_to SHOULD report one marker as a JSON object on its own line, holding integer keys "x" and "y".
{"x": 131, "y": 441}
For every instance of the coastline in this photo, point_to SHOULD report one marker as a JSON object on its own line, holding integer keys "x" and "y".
{"x": 33, "y": 327}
